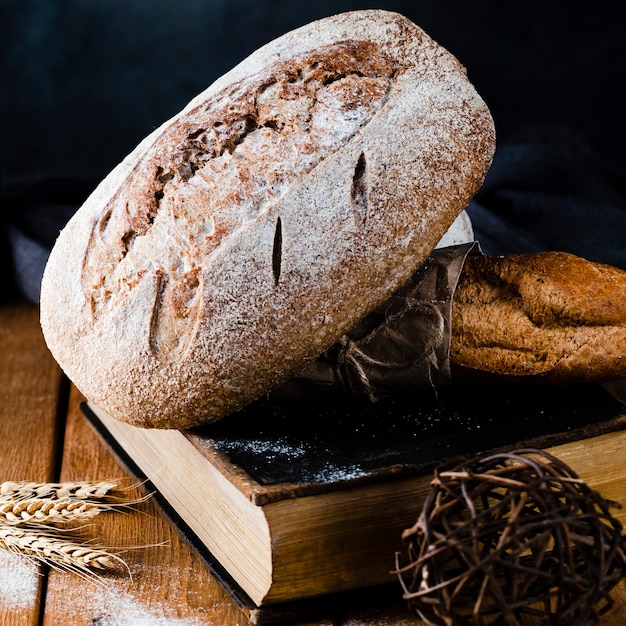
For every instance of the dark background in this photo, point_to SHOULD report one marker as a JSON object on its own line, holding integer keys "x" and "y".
{"x": 83, "y": 81}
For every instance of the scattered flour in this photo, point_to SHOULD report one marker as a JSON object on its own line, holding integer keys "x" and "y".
{"x": 282, "y": 450}
{"x": 117, "y": 605}
{"x": 107, "y": 604}
{"x": 334, "y": 473}
{"x": 273, "y": 449}
{"x": 19, "y": 581}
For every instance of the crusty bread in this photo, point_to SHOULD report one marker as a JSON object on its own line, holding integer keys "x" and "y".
{"x": 245, "y": 235}
{"x": 545, "y": 317}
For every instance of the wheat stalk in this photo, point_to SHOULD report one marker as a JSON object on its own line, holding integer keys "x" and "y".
{"x": 46, "y": 511}
{"x": 56, "y": 551}
{"x": 11, "y": 490}
{"x": 54, "y": 503}
{"x": 31, "y": 515}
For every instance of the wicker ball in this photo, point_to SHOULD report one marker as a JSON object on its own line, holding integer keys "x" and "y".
{"x": 512, "y": 538}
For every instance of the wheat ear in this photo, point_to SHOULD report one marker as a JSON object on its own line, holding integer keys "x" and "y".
{"x": 44, "y": 511}
{"x": 83, "y": 490}
{"x": 55, "y": 503}
{"x": 32, "y": 516}
{"x": 56, "y": 551}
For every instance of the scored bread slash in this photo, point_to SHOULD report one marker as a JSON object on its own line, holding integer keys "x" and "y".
{"x": 244, "y": 236}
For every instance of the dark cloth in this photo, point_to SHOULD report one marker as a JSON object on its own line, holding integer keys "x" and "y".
{"x": 31, "y": 216}
{"x": 548, "y": 190}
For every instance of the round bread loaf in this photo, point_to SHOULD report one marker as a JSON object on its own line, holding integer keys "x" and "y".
{"x": 245, "y": 235}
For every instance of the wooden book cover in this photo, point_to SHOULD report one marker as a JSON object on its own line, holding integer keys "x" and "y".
{"x": 290, "y": 501}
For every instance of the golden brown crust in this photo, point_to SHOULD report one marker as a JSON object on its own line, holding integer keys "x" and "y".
{"x": 219, "y": 167}
{"x": 551, "y": 316}
{"x": 247, "y": 234}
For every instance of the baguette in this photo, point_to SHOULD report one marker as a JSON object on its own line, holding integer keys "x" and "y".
{"x": 548, "y": 317}
{"x": 248, "y": 233}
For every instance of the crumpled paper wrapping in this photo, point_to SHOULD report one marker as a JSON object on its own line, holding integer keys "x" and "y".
{"x": 403, "y": 345}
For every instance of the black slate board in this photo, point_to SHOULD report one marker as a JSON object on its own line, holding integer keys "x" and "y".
{"x": 321, "y": 440}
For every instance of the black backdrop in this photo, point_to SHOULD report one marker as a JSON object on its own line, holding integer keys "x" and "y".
{"x": 83, "y": 81}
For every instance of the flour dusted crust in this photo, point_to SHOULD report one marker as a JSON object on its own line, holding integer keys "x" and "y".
{"x": 547, "y": 316}
{"x": 245, "y": 235}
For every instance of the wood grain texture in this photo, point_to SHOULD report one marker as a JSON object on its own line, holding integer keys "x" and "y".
{"x": 30, "y": 384}
{"x": 168, "y": 582}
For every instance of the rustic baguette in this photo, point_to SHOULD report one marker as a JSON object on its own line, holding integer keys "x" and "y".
{"x": 547, "y": 317}
{"x": 248, "y": 233}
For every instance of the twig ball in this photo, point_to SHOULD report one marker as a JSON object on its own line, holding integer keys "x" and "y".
{"x": 512, "y": 537}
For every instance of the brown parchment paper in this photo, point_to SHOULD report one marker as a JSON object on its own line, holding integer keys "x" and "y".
{"x": 402, "y": 345}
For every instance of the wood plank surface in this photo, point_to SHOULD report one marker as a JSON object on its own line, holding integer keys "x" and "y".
{"x": 44, "y": 437}
{"x": 166, "y": 583}
{"x": 31, "y": 390}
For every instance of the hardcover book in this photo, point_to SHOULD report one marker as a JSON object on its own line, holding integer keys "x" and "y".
{"x": 291, "y": 501}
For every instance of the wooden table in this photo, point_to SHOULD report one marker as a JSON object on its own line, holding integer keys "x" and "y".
{"x": 44, "y": 437}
